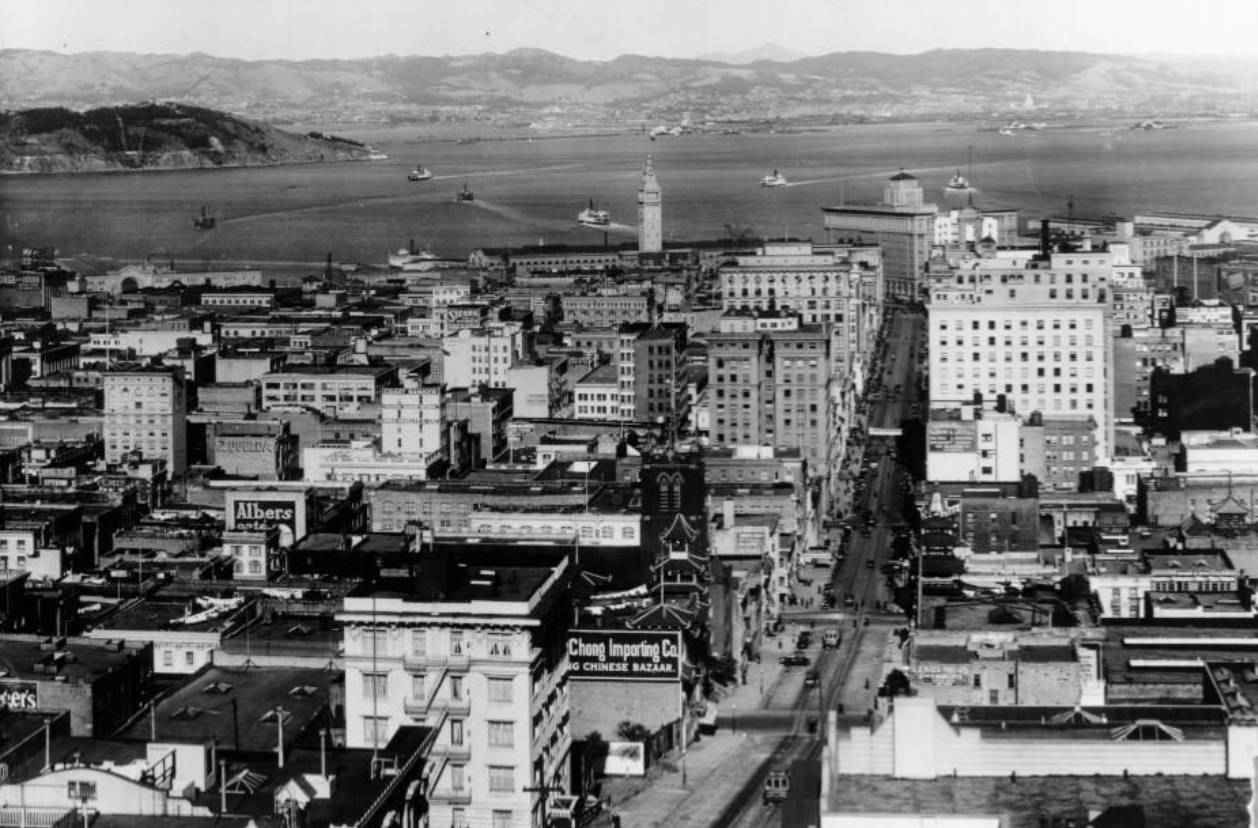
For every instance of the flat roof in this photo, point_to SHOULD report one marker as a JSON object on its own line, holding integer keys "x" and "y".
{"x": 84, "y": 658}
{"x": 152, "y": 614}
{"x": 220, "y": 702}
{"x": 1200, "y": 801}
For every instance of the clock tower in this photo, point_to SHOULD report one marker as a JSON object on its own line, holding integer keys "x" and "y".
{"x": 650, "y": 221}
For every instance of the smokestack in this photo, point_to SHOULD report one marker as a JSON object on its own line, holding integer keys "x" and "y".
{"x": 1045, "y": 244}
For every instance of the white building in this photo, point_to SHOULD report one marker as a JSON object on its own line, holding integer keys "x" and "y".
{"x": 22, "y": 550}
{"x": 482, "y": 356}
{"x": 1037, "y": 333}
{"x": 332, "y": 390}
{"x": 1233, "y": 452}
{"x": 145, "y": 411}
{"x": 968, "y": 443}
{"x": 412, "y": 420}
{"x": 148, "y": 343}
{"x": 346, "y": 461}
{"x": 596, "y": 396}
{"x": 482, "y": 662}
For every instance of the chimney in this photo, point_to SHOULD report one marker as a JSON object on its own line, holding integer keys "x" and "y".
{"x": 727, "y": 513}
{"x": 1046, "y": 246}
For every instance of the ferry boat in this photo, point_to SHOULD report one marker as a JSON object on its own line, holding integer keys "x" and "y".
{"x": 205, "y": 221}
{"x": 958, "y": 183}
{"x": 775, "y": 179}
{"x": 464, "y": 195}
{"x": 420, "y": 173}
{"x": 412, "y": 258}
{"x": 591, "y": 216}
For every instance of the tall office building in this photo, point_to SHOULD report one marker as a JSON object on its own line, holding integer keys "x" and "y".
{"x": 903, "y": 225}
{"x": 146, "y": 411}
{"x": 1035, "y": 329}
{"x": 477, "y": 653}
{"x": 412, "y": 420}
{"x": 650, "y": 214}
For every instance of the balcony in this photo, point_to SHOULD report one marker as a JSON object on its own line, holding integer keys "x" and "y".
{"x": 461, "y": 797}
{"x": 455, "y": 753}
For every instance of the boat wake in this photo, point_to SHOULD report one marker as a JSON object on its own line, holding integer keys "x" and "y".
{"x": 410, "y": 195}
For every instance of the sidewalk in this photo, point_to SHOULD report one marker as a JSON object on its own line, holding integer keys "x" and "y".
{"x": 714, "y": 766}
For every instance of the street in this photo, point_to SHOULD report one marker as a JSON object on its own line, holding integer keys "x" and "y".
{"x": 849, "y": 676}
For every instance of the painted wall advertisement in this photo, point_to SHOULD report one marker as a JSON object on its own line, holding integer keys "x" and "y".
{"x": 624, "y": 654}
{"x": 254, "y": 514}
{"x": 950, "y": 437}
{"x": 18, "y": 695}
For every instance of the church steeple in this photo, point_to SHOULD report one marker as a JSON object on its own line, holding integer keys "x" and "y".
{"x": 650, "y": 219}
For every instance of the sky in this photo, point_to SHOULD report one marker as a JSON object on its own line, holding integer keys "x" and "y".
{"x": 604, "y": 29}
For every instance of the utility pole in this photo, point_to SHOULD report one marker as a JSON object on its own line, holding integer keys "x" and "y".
{"x": 279, "y": 724}
{"x": 544, "y": 790}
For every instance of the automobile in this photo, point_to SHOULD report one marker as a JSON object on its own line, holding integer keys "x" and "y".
{"x": 812, "y": 678}
{"x": 848, "y": 600}
{"x": 830, "y": 639}
{"x": 812, "y": 724}
{"x": 794, "y": 660}
{"x": 870, "y": 564}
{"x": 866, "y": 532}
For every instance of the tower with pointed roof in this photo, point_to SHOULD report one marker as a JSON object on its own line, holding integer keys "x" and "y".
{"x": 650, "y": 212}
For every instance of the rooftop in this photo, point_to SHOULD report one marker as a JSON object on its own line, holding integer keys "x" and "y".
{"x": 221, "y": 702}
{"x": 1030, "y": 801}
{"x": 151, "y": 615}
{"x": 36, "y": 657}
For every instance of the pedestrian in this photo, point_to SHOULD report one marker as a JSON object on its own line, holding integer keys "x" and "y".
{"x": 615, "y": 820}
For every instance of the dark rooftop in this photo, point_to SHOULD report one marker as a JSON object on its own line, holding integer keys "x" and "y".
{"x": 29, "y": 657}
{"x": 1031, "y": 801}
{"x": 214, "y": 701}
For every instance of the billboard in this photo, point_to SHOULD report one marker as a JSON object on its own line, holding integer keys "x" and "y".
{"x": 610, "y": 655}
{"x": 625, "y": 759}
{"x": 951, "y": 437}
{"x": 18, "y": 695}
{"x": 250, "y": 512}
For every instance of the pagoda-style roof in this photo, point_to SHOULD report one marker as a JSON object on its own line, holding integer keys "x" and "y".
{"x": 664, "y": 616}
{"x": 1230, "y": 506}
{"x": 679, "y": 531}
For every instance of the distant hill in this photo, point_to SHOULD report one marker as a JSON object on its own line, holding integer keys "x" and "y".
{"x": 153, "y": 136}
{"x": 768, "y": 51}
{"x": 529, "y": 85}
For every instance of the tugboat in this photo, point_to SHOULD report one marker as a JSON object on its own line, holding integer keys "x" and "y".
{"x": 775, "y": 179}
{"x": 464, "y": 195}
{"x": 592, "y": 217}
{"x": 205, "y": 221}
{"x": 420, "y": 173}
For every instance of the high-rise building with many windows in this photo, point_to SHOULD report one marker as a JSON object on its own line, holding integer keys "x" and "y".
{"x": 478, "y": 654}
{"x": 1033, "y": 328}
{"x": 146, "y": 411}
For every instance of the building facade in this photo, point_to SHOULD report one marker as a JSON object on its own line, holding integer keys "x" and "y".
{"x": 1036, "y": 331}
{"x": 481, "y": 662}
{"x": 146, "y": 411}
